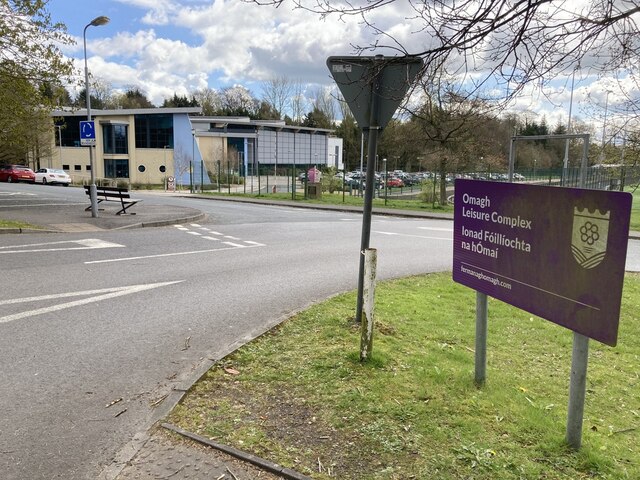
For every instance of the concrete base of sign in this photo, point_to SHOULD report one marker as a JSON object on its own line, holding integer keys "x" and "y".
{"x": 314, "y": 191}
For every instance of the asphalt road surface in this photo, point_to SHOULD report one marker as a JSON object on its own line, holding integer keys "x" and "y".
{"x": 97, "y": 328}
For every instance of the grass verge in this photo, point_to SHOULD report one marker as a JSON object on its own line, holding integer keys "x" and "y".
{"x": 635, "y": 210}
{"x": 300, "y": 397}
{"x": 17, "y": 224}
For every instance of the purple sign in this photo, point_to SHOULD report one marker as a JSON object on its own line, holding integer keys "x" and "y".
{"x": 558, "y": 253}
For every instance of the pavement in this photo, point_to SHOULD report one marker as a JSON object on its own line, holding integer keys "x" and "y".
{"x": 166, "y": 451}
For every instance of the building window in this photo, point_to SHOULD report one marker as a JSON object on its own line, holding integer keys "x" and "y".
{"x": 87, "y": 167}
{"x": 141, "y": 168}
{"x": 65, "y": 167}
{"x": 115, "y": 139}
{"x": 116, "y": 168}
{"x": 69, "y": 131}
{"x": 77, "y": 167}
{"x": 154, "y": 131}
{"x": 162, "y": 169}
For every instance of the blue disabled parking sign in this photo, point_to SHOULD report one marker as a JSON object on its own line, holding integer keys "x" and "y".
{"x": 87, "y": 134}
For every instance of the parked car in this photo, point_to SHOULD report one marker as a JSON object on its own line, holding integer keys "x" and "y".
{"x": 51, "y": 176}
{"x": 16, "y": 173}
{"x": 394, "y": 182}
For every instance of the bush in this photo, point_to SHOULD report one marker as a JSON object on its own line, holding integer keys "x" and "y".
{"x": 428, "y": 192}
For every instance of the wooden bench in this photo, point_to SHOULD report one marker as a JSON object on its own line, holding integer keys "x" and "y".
{"x": 114, "y": 194}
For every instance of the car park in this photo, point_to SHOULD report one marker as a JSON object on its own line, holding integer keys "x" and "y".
{"x": 52, "y": 176}
{"x": 16, "y": 173}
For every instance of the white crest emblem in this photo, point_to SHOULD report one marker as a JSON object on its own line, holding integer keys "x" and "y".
{"x": 589, "y": 240}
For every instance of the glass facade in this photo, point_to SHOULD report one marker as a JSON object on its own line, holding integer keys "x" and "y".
{"x": 154, "y": 131}
{"x": 69, "y": 131}
{"x": 116, "y": 168}
{"x": 115, "y": 139}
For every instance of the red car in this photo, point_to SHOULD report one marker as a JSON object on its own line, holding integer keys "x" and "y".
{"x": 395, "y": 182}
{"x": 17, "y": 173}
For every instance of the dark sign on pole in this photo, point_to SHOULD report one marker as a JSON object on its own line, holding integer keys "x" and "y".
{"x": 558, "y": 253}
{"x": 373, "y": 87}
{"x": 355, "y": 77}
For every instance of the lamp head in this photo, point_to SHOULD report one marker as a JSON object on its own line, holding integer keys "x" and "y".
{"x": 98, "y": 21}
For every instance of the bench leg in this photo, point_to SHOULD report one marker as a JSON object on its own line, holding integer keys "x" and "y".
{"x": 123, "y": 210}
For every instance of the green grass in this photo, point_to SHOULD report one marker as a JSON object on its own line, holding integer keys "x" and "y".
{"x": 299, "y": 395}
{"x": 16, "y": 224}
{"x": 635, "y": 210}
{"x": 352, "y": 200}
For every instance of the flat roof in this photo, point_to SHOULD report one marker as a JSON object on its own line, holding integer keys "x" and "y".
{"x": 125, "y": 111}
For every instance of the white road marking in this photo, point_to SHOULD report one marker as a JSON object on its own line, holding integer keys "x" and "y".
{"x": 437, "y": 229}
{"x": 102, "y": 294}
{"x": 41, "y": 205}
{"x": 206, "y": 237}
{"x": 414, "y": 236}
{"x": 162, "y": 255}
{"x": 85, "y": 244}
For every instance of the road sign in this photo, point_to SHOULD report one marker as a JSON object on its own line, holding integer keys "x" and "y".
{"x": 558, "y": 253}
{"x": 87, "y": 134}
{"x": 359, "y": 77}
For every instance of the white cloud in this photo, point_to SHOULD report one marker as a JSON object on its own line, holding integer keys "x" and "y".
{"x": 197, "y": 43}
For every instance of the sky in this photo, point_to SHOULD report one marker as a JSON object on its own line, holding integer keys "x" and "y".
{"x": 177, "y": 46}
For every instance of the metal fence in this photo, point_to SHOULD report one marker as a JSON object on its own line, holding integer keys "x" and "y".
{"x": 597, "y": 178}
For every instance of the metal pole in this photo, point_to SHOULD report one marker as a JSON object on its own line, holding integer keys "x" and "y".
{"x": 92, "y": 188}
{"x": 579, "y": 363}
{"x": 59, "y": 127}
{"x": 512, "y": 161}
{"x": 565, "y": 163}
{"x": 577, "y": 390}
{"x": 370, "y": 179}
{"x": 482, "y": 313}
{"x": 193, "y": 156}
{"x": 386, "y": 179}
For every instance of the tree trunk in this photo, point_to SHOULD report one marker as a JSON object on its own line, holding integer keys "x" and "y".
{"x": 443, "y": 181}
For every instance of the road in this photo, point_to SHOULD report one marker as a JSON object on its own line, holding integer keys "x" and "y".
{"x": 96, "y": 328}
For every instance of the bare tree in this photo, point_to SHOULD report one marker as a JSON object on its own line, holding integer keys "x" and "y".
{"x": 277, "y": 92}
{"x": 182, "y": 162}
{"x": 298, "y": 102}
{"x": 325, "y": 101}
{"x": 503, "y": 45}
{"x": 446, "y": 120}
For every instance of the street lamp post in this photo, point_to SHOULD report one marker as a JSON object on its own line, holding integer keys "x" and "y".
{"x": 193, "y": 154}
{"x": 96, "y": 22}
{"x": 59, "y": 127}
{"x": 604, "y": 127}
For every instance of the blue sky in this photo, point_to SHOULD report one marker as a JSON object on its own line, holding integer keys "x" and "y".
{"x": 177, "y": 46}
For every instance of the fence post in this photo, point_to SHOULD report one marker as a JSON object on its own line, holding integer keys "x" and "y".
{"x": 368, "y": 294}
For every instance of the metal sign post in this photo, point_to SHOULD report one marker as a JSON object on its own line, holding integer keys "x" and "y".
{"x": 373, "y": 87}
